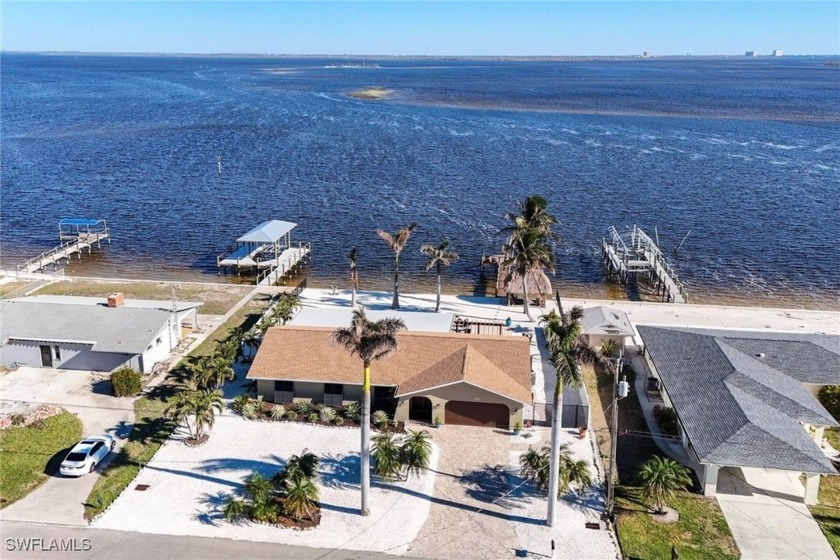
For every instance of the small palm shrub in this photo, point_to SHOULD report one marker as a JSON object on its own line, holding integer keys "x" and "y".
{"x": 328, "y": 414}
{"x": 314, "y": 417}
{"x": 278, "y": 411}
{"x": 387, "y": 463}
{"x": 661, "y": 478}
{"x": 250, "y": 409}
{"x": 352, "y": 411}
{"x": 608, "y": 347}
{"x": 415, "y": 451}
{"x": 301, "y": 497}
{"x": 304, "y": 408}
{"x": 239, "y": 402}
{"x": 666, "y": 418}
{"x": 126, "y": 382}
{"x": 234, "y": 509}
{"x": 535, "y": 466}
{"x": 380, "y": 419}
{"x": 338, "y": 421}
{"x": 292, "y": 414}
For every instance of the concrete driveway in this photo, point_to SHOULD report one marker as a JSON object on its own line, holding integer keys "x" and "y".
{"x": 768, "y": 519}
{"x": 61, "y": 500}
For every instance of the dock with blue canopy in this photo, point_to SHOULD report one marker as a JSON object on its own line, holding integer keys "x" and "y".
{"x": 267, "y": 252}
{"x": 75, "y": 236}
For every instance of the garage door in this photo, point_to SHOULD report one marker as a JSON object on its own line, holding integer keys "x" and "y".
{"x": 464, "y": 413}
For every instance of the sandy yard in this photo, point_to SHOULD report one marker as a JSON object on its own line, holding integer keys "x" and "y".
{"x": 187, "y": 486}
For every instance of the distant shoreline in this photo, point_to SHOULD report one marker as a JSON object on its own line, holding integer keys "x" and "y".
{"x": 486, "y": 58}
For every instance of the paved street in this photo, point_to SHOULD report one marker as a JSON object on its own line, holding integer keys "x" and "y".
{"x": 61, "y": 500}
{"x": 111, "y": 545}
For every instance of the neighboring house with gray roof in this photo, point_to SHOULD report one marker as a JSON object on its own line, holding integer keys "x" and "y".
{"x": 95, "y": 334}
{"x": 601, "y": 324}
{"x": 747, "y": 399}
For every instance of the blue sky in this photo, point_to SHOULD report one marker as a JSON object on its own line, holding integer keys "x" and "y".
{"x": 425, "y": 28}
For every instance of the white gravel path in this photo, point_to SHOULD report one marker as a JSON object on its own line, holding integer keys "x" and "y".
{"x": 186, "y": 486}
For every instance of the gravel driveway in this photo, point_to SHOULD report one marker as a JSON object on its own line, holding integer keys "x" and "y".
{"x": 61, "y": 500}
{"x": 187, "y": 487}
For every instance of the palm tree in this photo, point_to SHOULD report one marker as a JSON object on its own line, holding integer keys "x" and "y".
{"x": 660, "y": 478}
{"x": 202, "y": 406}
{"x": 526, "y": 252}
{"x": 301, "y": 497}
{"x": 574, "y": 472}
{"x": 567, "y": 349}
{"x": 302, "y": 466}
{"x": 354, "y": 276}
{"x": 370, "y": 341}
{"x": 439, "y": 257}
{"x": 386, "y": 457}
{"x": 533, "y": 214}
{"x": 397, "y": 242}
{"x": 415, "y": 452}
{"x": 199, "y": 370}
{"x": 234, "y": 509}
{"x": 257, "y": 488}
{"x": 534, "y": 465}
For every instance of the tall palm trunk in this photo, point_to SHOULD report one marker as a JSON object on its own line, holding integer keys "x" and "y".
{"x": 353, "y": 297}
{"x": 439, "y": 275}
{"x": 525, "y": 296}
{"x": 395, "y": 304}
{"x": 554, "y": 463}
{"x": 365, "y": 462}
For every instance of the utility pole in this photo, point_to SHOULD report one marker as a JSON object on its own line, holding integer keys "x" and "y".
{"x": 620, "y": 390}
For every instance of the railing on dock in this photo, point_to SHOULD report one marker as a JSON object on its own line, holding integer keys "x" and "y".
{"x": 77, "y": 241}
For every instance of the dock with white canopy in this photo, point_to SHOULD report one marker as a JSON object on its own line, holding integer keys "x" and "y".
{"x": 266, "y": 252}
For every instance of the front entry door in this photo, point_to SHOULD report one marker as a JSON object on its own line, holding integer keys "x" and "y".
{"x": 46, "y": 356}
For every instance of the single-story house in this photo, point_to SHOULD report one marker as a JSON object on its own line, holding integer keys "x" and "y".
{"x": 88, "y": 333}
{"x": 747, "y": 399}
{"x": 477, "y": 380}
{"x": 601, "y": 324}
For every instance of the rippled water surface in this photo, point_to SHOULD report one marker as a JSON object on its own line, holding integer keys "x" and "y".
{"x": 744, "y": 153}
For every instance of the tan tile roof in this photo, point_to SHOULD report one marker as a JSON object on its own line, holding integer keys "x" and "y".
{"x": 501, "y": 364}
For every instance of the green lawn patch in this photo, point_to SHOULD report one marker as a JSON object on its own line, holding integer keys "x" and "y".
{"x": 218, "y": 298}
{"x": 150, "y": 430}
{"x": 244, "y": 318}
{"x": 701, "y": 531}
{"x": 28, "y": 453}
{"x": 827, "y": 513}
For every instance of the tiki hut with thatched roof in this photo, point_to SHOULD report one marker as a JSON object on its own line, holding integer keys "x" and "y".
{"x": 539, "y": 286}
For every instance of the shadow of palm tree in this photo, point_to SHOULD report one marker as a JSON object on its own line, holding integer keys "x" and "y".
{"x": 491, "y": 484}
{"x": 265, "y": 468}
{"x": 121, "y": 430}
{"x": 341, "y": 471}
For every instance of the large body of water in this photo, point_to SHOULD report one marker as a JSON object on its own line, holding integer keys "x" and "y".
{"x": 744, "y": 153}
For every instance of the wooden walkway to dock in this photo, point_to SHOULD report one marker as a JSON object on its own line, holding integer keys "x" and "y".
{"x": 266, "y": 252}
{"x": 74, "y": 241}
{"x": 626, "y": 256}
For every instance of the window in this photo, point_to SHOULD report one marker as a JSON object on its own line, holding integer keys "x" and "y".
{"x": 96, "y": 447}
{"x": 284, "y": 392}
{"x": 333, "y": 389}
{"x": 57, "y": 353}
{"x": 333, "y": 394}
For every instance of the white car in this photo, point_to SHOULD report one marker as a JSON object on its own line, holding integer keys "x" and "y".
{"x": 86, "y": 454}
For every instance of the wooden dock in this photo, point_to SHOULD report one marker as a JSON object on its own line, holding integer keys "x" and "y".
{"x": 266, "y": 252}
{"x": 76, "y": 236}
{"x": 634, "y": 253}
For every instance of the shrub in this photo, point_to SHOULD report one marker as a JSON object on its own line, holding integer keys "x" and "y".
{"x": 305, "y": 408}
{"x": 278, "y": 411}
{"x": 292, "y": 414}
{"x": 387, "y": 460}
{"x": 328, "y": 414}
{"x": 250, "y": 409}
{"x": 352, "y": 411}
{"x": 18, "y": 420}
{"x": 338, "y": 421}
{"x": 126, "y": 382}
{"x": 239, "y": 402}
{"x": 380, "y": 419}
{"x": 666, "y": 418}
{"x": 830, "y": 398}
{"x": 314, "y": 417}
